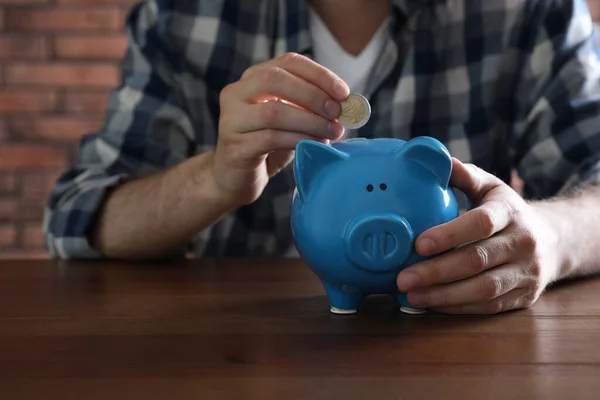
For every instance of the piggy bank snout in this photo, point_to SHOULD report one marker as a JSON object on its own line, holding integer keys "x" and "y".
{"x": 379, "y": 243}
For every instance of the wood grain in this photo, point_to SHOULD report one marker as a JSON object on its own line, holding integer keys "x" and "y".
{"x": 261, "y": 329}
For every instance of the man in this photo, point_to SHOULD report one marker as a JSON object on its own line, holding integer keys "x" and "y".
{"x": 215, "y": 95}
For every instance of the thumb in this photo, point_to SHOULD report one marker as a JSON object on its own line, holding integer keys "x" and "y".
{"x": 472, "y": 180}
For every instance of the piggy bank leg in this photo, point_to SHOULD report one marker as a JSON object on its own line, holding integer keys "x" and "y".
{"x": 405, "y": 306}
{"x": 342, "y": 301}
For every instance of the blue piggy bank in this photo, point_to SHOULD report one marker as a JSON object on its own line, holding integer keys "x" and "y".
{"x": 358, "y": 207}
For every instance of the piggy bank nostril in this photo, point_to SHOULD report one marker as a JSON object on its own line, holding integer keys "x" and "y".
{"x": 388, "y": 244}
{"x": 369, "y": 188}
{"x": 379, "y": 242}
{"x": 383, "y": 186}
{"x": 367, "y": 246}
{"x": 384, "y": 243}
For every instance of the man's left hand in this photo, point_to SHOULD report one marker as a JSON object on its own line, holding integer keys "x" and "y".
{"x": 500, "y": 255}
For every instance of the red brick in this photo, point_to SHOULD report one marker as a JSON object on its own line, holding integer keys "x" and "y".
{"x": 8, "y": 236}
{"x": 594, "y": 9}
{"x": 22, "y": 101}
{"x": 23, "y": 47}
{"x": 111, "y": 47}
{"x": 88, "y": 19}
{"x": 53, "y": 128}
{"x": 31, "y": 156}
{"x": 8, "y": 183}
{"x": 39, "y": 183}
{"x": 32, "y": 236}
{"x": 31, "y": 209}
{"x": 8, "y": 208}
{"x": 21, "y": 254}
{"x": 69, "y": 75}
{"x": 86, "y": 102}
{"x": 75, "y": 148}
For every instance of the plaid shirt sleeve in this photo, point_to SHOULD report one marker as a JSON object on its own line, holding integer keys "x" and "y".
{"x": 146, "y": 129}
{"x": 555, "y": 100}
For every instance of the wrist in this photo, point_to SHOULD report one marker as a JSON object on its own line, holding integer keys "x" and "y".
{"x": 206, "y": 189}
{"x": 558, "y": 229}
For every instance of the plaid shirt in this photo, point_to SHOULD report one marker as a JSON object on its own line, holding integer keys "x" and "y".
{"x": 503, "y": 84}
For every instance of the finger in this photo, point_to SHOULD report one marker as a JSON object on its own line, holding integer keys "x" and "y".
{"x": 473, "y": 181}
{"x": 278, "y": 160}
{"x": 278, "y": 116}
{"x": 276, "y": 82}
{"x": 476, "y": 224}
{"x": 461, "y": 263}
{"x": 513, "y": 300}
{"x": 478, "y": 289}
{"x": 259, "y": 143}
{"x": 307, "y": 70}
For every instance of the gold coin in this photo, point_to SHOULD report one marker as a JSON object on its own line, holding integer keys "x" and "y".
{"x": 356, "y": 111}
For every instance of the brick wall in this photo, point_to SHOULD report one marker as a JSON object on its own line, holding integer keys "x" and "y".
{"x": 595, "y": 9}
{"x": 58, "y": 61}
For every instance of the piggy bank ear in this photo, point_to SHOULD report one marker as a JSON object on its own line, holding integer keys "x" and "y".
{"x": 430, "y": 154}
{"x": 311, "y": 159}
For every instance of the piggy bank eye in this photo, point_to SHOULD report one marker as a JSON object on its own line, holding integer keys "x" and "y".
{"x": 383, "y": 186}
{"x": 369, "y": 188}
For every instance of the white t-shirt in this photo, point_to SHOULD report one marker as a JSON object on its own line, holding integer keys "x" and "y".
{"x": 354, "y": 70}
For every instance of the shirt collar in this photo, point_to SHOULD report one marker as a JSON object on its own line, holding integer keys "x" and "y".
{"x": 296, "y": 26}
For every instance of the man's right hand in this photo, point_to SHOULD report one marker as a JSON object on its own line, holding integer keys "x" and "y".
{"x": 265, "y": 114}
{"x": 256, "y": 139}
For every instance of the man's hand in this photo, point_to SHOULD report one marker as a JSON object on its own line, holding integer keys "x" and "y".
{"x": 256, "y": 139}
{"x": 499, "y": 256}
{"x": 265, "y": 114}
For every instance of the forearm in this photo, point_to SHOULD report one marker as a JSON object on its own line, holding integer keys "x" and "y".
{"x": 153, "y": 217}
{"x": 576, "y": 221}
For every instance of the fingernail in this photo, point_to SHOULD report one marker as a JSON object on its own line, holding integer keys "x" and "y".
{"x": 426, "y": 246}
{"x": 408, "y": 280}
{"x": 335, "y": 130}
{"x": 332, "y": 108}
{"x": 418, "y": 299}
{"x": 340, "y": 90}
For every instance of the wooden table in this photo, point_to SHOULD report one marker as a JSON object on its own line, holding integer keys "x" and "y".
{"x": 261, "y": 329}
